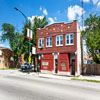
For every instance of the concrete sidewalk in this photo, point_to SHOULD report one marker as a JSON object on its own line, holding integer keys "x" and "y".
{"x": 46, "y": 75}
{"x": 52, "y": 76}
{"x": 65, "y": 77}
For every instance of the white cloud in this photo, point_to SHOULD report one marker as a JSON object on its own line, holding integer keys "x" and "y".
{"x": 51, "y": 20}
{"x": 95, "y": 2}
{"x": 45, "y": 12}
{"x": 86, "y": 1}
{"x": 82, "y": 28}
{"x": 4, "y": 45}
{"x": 1, "y": 45}
{"x": 75, "y": 12}
{"x": 40, "y": 8}
{"x": 55, "y": 18}
{"x": 32, "y": 18}
{"x": 98, "y": 4}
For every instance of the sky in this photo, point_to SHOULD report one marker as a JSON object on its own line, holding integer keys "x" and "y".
{"x": 54, "y": 10}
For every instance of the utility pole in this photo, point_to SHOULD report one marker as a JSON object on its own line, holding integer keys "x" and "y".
{"x": 82, "y": 16}
{"x": 29, "y": 34}
{"x": 82, "y": 41}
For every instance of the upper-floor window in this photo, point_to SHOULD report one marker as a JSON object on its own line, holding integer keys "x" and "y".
{"x": 69, "y": 39}
{"x": 41, "y": 42}
{"x": 59, "y": 40}
{"x": 49, "y": 42}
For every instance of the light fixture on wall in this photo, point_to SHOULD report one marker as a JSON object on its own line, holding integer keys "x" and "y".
{"x": 75, "y": 52}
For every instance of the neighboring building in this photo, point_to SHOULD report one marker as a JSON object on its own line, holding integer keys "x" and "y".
{"x": 21, "y": 60}
{"x": 59, "y": 49}
{"x": 87, "y": 59}
{"x": 6, "y": 58}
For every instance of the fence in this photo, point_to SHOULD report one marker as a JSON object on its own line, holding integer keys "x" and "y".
{"x": 91, "y": 69}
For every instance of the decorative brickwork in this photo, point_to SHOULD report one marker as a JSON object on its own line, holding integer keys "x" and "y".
{"x": 60, "y": 57}
{"x": 50, "y": 32}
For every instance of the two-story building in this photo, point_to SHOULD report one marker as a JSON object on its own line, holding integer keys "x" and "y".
{"x": 59, "y": 48}
{"x": 6, "y": 58}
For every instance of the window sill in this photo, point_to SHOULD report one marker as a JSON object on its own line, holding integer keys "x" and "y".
{"x": 69, "y": 44}
{"x": 48, "y": 46}
{"x": 59, "y": 45}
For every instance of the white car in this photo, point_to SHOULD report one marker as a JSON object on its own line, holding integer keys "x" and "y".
{"x": 26, "y": 66}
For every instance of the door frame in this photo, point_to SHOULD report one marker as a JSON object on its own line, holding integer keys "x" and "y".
{"x": 73, "y": 67}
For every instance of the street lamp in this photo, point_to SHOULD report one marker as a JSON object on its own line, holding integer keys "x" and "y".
{"x": 26, "y": 22}
{"x": 21, "y": 13}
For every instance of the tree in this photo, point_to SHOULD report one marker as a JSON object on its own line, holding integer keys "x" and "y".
{"x": 92, "y": 36}
{"x": 25, "y": 40}
{"x": 8, "y": 32}
{"x": 15, "y": 39}
{"x": 37, "y": 23}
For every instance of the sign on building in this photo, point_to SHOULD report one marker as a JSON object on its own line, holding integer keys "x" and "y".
{"x": 45, "y": 63}
{"x": 29, "y": 33}
{"x": 33, "y": 50}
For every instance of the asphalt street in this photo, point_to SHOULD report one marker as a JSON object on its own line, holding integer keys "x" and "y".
{"x": 25, "y": 87}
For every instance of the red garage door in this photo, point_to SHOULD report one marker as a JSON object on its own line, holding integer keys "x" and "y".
{"x": 47, "y": 62}
{"x": 64, "y": 63}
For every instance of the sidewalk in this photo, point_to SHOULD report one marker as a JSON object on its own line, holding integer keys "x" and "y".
{"x": 46, "y": 75}
{"x": 65, "y": 77}
{"x": 52, "y": 76}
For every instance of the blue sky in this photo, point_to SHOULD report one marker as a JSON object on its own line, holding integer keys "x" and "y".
{"x": 54, "y": 10}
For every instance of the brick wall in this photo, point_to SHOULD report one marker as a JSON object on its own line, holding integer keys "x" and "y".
{"x": 5, "y": 61}
{"x": 54, "y": 30}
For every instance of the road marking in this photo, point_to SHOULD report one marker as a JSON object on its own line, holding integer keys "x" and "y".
{"x": 35, "y": 85}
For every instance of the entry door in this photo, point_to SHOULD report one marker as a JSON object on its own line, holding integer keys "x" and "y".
{"x": 56, "y": 65}
{"x": 73, "y": 67}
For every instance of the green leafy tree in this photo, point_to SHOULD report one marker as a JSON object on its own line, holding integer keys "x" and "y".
{"x": 15, "y": 39}
{"x": 8, "y": 33}
{"x": 92, "y": 36}
{"x": 25, "y": 40}
{"x": 37, "y": 23}
{"x": 18, "y": 42}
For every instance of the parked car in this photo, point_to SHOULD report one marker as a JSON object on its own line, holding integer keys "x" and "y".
{"x": 26, "y": 66}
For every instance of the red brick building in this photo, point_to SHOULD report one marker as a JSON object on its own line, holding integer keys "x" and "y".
{"x": 59, "y": 49}
{"x": 6, "y": 58}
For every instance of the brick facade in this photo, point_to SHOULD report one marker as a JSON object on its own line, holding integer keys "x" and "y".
{"x": 5, "y": 58}
{"x": 63, "y": 52}
{"x": 54, "y": 30}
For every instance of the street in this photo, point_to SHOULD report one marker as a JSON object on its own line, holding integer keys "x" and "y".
{"x": 27, "y": 87}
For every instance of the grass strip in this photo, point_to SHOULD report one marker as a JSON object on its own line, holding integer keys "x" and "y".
{"x": 10, "y": 69}
{"x": 87, "y": 80}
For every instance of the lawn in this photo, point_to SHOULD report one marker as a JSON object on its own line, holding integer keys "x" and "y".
{"x": 96, "y": 81}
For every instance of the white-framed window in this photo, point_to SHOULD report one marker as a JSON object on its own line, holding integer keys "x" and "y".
{"x": 41, "y": 42}
{"x": 49, "y": 42}
{"x": 59, "y": 40}
{"x": 69, "y": 39}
